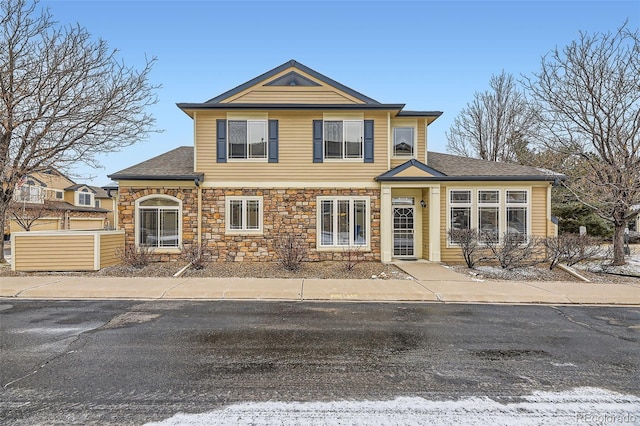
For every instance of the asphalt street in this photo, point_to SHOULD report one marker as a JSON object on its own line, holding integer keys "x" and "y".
{"x": 132, "y": 362}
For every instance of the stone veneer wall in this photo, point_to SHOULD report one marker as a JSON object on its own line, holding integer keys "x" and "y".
{"x": 285, "y": 211}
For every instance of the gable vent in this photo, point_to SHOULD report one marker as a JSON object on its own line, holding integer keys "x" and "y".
{"x": 292, "y": 79}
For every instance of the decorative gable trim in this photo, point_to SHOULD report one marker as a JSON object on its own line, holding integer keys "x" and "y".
{"x": 395, "y": 173}
{"x": 292, "y": 79}
{"x": 261, "y": 79}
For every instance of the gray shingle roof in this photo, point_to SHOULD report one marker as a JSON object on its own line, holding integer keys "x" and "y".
{"x": 453, "y": 165}
{"x": 455, "y": 168}
{"x": 176, "y": 164}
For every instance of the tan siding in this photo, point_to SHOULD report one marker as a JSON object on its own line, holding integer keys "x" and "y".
{"x": 413, "y": 172}
{"x": 290, "y": 94}
{"x": 108, "y": 246}
{"x": 420, "y": 141}
{"x": 539, "y": 211}
{"x": 42, "y": 224}
{"x": 294, "y": 97}
{"x": 295, "y": 153}
{"x": 58, "y": 253}
{"x": 69, "y": 197}
{"x": 86, "y": 223}
{"x": 447, "y": 254}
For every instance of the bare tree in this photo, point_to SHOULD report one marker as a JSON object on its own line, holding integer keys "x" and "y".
{"x": 589, "y": 96}
{"x": 26, "y": 215}
{"x": 497, "y": 125}
{"x": 65, "y": 98}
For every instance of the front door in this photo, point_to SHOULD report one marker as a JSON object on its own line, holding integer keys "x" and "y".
{"x": 403, "y": 230}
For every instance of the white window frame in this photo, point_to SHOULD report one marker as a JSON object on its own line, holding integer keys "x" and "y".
{"x": 503, "y": 207}
{"x": 518, "y": 205}
{"x": 35, "y": 194}
{"x": 243, "y": 230}
{"x": 344, "y": 142}
{"x": 138, "y": 208}
{"x": 352, "y": 242}
{"x": 247, "y": 145}
{"x": 78, "y": 196}
{"x": 465, "y": 205}
{"x": 413, "y": 142}
{"x": 480, "y": 204}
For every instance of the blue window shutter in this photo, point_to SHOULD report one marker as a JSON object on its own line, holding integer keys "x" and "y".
{"x": 221, "y": 141}
{"x": 368, "y": 141}
{"x": 273, "y": 141}
{"x": 317, "y": 141}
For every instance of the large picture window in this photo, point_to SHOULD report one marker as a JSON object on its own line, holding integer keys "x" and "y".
{"x": 492, "y": 212}
{"x": 244, "y": 214}
{"x": 158, "y": 222}
{"x": 343, "y": 221}
{"x": 247, "y": 139}
{"x": 343, "y": 139}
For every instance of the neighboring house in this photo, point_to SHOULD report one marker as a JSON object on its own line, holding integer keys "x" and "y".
{"x": 294, "y": 152}
{"x": 49, "y": 200}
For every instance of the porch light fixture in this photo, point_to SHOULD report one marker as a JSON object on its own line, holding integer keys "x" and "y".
{"x": 423, "y": 203}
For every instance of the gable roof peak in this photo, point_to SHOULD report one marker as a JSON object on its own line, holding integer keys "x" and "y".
{"x": 297, "y": 65}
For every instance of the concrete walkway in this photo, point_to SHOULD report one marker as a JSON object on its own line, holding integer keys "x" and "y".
{"x": 432, "y": 283}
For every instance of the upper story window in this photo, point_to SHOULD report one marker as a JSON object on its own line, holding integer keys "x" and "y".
{"x": 27, "y": 193}
{"x": 403, "y": 142}
{"x": 247, "y": 139}
{"x": 85, "y": 198}
{"x": 343, "y": 139}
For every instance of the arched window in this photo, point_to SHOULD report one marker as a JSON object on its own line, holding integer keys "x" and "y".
{"x": 158, "y": 221}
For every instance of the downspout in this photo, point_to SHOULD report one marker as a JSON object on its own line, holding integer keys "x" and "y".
{"x": 199, "y": 236}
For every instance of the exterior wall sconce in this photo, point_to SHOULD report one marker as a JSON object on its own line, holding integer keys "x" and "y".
{"x": 423, "y": 203}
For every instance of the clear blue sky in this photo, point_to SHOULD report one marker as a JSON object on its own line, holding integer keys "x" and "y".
{"x": 429, "y": 55}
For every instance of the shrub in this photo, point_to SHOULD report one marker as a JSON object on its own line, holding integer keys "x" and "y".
{"x": 571, "y": 249}
{"x": 351, "y": 256}
{"x": 467, "y": 239}
{"x": 290, "y": 250}
{"x": 515, "y": 250}
{"x": 136, "y": 257}
{"x": 197, "y": 254}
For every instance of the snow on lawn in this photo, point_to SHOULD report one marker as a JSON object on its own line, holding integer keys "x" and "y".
{"x": 588, "y": 406}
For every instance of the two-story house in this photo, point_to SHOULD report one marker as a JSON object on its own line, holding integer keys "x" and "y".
{"x": 49, "y": 200}
{"x": 293, "y": 151}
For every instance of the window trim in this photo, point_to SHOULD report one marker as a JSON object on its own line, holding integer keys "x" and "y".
{"x": 414, "y": 147}
{"x": 503, "y": 205}
{"x": 335, "y": 199}
{"x": 344, "y": 142}
{"x": 31, "y": 198}
{"x": 136, "y": 226}
{"x": 244, "y": 199}
{"x": 78, "y": 196}
{"x": 266, "y": 140}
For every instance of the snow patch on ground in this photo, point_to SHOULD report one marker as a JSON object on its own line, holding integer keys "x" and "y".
{"x": 578, "y": 406}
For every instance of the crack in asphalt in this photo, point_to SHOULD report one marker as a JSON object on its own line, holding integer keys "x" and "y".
{"x": 587, "y": 326}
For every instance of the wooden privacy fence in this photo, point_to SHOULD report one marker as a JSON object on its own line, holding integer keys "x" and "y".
{"x": 65, "y": 250}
